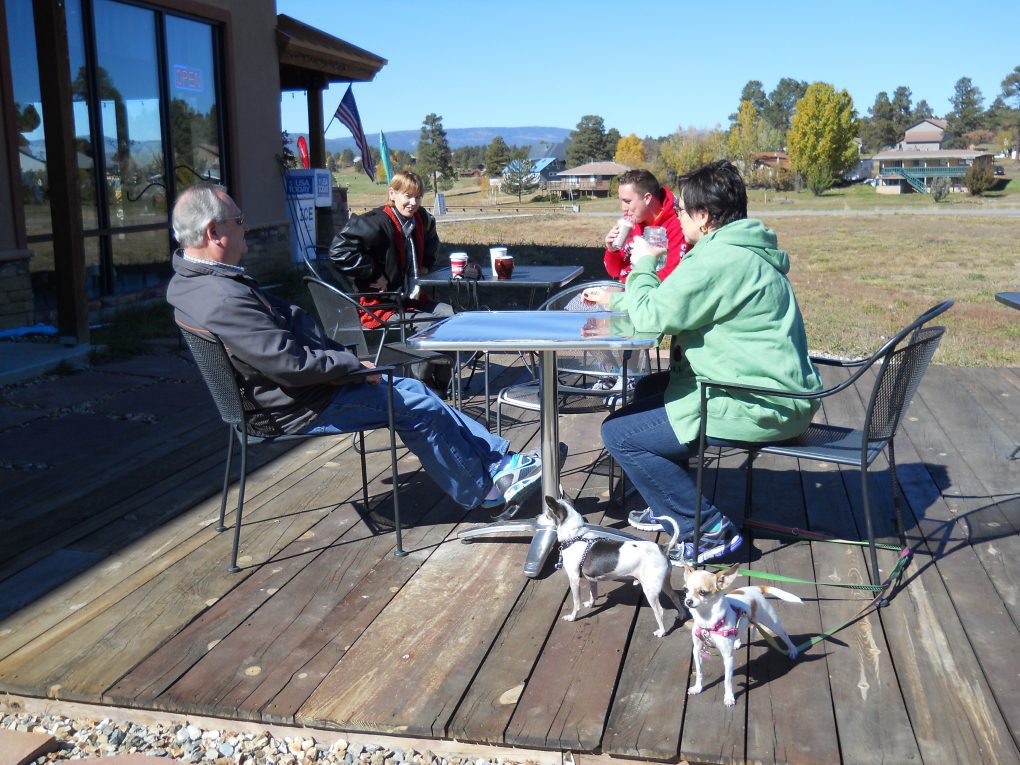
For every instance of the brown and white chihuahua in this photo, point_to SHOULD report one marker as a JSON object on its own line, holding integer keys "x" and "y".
{"x": 721, "y": 616}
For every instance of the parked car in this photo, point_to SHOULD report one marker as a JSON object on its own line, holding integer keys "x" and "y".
{"x": 1000, "y": 170}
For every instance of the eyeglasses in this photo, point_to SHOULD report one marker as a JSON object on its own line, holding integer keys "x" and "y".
{"x": 239, "y": 220}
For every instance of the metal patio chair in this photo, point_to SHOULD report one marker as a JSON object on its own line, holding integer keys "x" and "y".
{"x": 899, "y": 366}
{"x": 250, "y": 427}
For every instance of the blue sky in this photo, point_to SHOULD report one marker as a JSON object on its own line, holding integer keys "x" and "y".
{"x": 550, "y": 62}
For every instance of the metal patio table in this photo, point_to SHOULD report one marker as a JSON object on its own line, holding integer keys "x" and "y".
{"x": 534, "y": 277}
{"x": 544, "y": 332}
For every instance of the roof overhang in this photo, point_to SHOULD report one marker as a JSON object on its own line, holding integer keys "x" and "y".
{"x": 311, "y": 59}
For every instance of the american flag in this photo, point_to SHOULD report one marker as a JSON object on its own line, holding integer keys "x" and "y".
{"x": 347, "y": 113}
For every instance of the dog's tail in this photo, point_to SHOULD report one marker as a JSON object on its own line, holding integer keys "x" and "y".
{"x": 676, "y": 530}
{"x": 775, "y": 592}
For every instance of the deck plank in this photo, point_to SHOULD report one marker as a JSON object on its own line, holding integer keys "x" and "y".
{"x": 80, "y": 664}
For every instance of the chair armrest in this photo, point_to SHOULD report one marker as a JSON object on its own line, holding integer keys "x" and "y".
{"x": 846, "y": 363}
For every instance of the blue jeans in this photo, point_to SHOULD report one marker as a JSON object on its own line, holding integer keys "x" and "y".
{"x": 457, "y": 452}
{"x": 641, "y": 439}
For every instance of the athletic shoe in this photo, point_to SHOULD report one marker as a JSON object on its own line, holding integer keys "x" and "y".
{"x": 643, "y": 520}
{"x": 723, "y": 541}
{"x": 609, "y": 384}
{"x": 520, "y": 477}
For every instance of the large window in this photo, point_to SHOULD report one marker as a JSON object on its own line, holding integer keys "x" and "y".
{"x": 147, "y": 117}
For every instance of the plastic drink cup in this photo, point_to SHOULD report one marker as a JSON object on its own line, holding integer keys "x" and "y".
{"x": 504, "y": 266}
{"x": 495, "y": 252}
{"x": 625, "y": 225}
{"x": 457, "y": 262}
{"x": 656, "y": 237}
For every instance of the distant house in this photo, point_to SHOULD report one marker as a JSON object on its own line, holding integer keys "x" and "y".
{"x": 593, "y": 178}
{"x": 919, "y": 159}
{"x": 542, "y": 169}
{"x": 772, "y": 160}
{"x": 926, "y": 135}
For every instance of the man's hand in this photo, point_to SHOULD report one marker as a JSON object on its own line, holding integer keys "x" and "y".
{"x": 371, "y": 379}
{"x": 611, "y": 236}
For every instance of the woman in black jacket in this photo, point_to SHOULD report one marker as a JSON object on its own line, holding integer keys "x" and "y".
{"x": 388, "y": 248}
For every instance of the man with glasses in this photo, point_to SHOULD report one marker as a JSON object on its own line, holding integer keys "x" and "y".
{"x": 296, "y": 373}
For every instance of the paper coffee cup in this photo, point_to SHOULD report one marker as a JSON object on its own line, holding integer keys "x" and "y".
{"x": 625, "y": 225}
{"x": 495, "y": 252}
{"x": 457, "y": 262}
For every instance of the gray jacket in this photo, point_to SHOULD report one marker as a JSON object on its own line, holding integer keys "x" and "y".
{"x": 289, "y": 366}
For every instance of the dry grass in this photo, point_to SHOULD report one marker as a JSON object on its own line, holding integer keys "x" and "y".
{"x": 858, "y": 277}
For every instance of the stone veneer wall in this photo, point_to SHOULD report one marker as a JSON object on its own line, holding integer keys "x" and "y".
{"x": 15, "y": 289}
{"x": 268, "y": 251}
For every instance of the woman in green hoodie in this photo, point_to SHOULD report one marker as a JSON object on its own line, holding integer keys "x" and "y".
{"x": 732, "y": 311}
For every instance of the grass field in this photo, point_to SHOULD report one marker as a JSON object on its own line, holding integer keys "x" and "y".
{"x": 859, "y": 272}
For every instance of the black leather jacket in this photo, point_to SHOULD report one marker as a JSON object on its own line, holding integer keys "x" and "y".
{"x": 366, "y": 248}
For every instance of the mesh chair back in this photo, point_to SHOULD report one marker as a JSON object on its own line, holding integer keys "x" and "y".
{"x": 235, "y": 405}
{"x": 897, "y": 382}
{"x": 339, "y": 315}
{"x": 592, "y": 363}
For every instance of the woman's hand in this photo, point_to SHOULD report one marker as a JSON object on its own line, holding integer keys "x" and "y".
{"x": 639, "y": 248}
{"x": 596, "y": 295}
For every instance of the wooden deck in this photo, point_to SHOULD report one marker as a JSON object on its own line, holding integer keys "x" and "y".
{"x": 114, "y": 592}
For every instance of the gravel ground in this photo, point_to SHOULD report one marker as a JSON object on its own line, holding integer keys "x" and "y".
{"x": 81, "y": 739}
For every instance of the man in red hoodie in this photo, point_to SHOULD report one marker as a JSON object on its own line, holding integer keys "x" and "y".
{"x": 646, "y": 203}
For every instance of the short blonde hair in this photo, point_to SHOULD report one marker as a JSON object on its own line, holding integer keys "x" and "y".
{"x": 408, "y": 183}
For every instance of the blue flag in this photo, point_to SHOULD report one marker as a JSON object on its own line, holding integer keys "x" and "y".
{"x": 347, "y": 113}
{"x": 384, "y": 153}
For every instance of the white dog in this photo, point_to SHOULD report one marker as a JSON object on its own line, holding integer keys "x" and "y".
{"x": 720, "y": 617}
{"x": 583, "y": 553}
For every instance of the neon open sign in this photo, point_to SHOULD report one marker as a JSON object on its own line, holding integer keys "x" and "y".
{"x": 187, "y": 78}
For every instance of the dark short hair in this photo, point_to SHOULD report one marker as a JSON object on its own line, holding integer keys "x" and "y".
{"x": 717, "y": 189}
{"x": 643, "y": 182}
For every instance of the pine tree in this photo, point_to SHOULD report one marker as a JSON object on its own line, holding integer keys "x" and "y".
{"x": 588, "y": 143}
{"x": 497, "y": 157}
{"x": 967, "y": 114}
{"x": 435, "y": 160}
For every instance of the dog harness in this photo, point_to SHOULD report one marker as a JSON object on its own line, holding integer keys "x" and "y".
{"x": 702, "y": 633}
{"x": 589, "y": 543}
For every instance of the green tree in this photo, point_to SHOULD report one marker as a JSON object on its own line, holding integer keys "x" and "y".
{"x": 435, "y": 160}
{"x": 687, "y": 150}
{"x": 879, "y": 130}
{"x": 497, "y": 156}
{"x": 821, "y": 138}
{"x": 744, "y": 140}
{"x": 967, "y": 114}
{"x": 589, "y": 142}
{"x": 755, "y": 93}
{"x": 903, "y": 112}
{"x": 346, "y": 157}
{"x": 630, "y": 151}
{"x": 783, "y": 102}
{"x": 518, "y": 176}
{"x": 921, "y": 112}
{"x": 979, "y": 177}
{"x": 1011, "y": 93}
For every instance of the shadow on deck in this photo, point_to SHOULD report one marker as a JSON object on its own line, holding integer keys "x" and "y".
{"x": 113, "y": 589}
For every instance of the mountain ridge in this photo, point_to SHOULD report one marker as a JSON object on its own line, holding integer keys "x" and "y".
{"x": 407, "y": 140}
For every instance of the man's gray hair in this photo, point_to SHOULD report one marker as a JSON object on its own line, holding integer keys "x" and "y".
{"x": 196, "y": 208}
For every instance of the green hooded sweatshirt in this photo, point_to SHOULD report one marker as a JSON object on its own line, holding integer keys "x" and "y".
{"x": 732, "y": 310}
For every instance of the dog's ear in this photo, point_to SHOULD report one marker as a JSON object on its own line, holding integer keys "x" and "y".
{"x": 725, "y": 579}
{"x": 687, "y": 572}
{"x": 551, "y": 502}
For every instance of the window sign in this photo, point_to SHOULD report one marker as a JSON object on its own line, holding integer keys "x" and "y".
{"x": 187, "y": 78}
